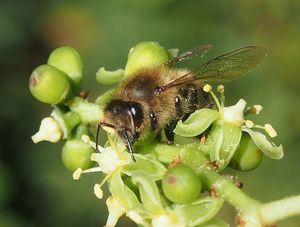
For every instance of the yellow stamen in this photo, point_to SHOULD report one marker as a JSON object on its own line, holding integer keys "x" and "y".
{"x": 249, "y": 124}
{"x": 270, "y": 130}
{"x": 98, "y": 191}
{"x": 207, "y": 88}
{"x": 77, "y": 174}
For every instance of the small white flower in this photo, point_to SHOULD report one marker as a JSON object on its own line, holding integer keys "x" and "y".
{"x": 49, "y": 130}
{"x": 249, "y": 124}
{"x": 207, "y": 88}
{"x": 98, "y": 191}
{"x": 108, "y": 160}
{"x": 235, "y": 114}
{"x": 270, "y": 130}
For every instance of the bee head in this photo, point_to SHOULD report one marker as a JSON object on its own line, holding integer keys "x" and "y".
{"x": 126, "y": 118}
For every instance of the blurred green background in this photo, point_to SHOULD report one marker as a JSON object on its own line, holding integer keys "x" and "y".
{"x": 35, "y": 188}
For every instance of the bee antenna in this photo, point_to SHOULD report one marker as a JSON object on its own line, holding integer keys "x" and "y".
{"x": 129, "y": 145}
{"x": 97, "y": 136}
{"x": 98, "y": 130}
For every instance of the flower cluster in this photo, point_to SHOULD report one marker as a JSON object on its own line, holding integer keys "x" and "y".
{"x": 167, "y": 185}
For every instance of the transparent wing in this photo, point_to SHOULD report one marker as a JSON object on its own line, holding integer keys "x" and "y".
{"x": 228, "y": 66}
{"x": 201, "y": 50}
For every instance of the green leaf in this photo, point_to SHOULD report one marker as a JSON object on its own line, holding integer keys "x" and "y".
{"x": 198, "y": 212}
{"x": 109, "y": 77}
{"x": 215, "y": 222}
{"x": 121, "y": 192}
{"x": 149, "y": 193}
{"x": 268, "y": 148}
{"x": 197, "y": 123}
{"x": 154, "y": 169}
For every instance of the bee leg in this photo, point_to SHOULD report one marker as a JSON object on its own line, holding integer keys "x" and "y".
{"x": 158, "y": 136}
{"x": 169, "y": 132}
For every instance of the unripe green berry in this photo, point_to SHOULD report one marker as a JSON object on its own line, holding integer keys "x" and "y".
{"x": 145, "y": 54}
{"x": 50, "y": 85}
{"x": 181, "y": 184}
{"x": 247, "y": 156}
{"x": 68, "y": 60}
{"x": 76, "y": 154}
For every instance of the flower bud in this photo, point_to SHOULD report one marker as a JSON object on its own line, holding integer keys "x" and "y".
{"x": 235, "y": 114}
{"x": 76, "y": 154}
{"x": 247, "y": 156}
{"x": 50, "y": 85}
{"x": 68, "y": 60}
{"x": 145, "y": 54}
{"x": 181, "y": 184}
{"x": 49, "y": 131}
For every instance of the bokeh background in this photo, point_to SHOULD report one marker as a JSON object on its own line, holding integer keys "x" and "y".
{"x": 36, "y": 189}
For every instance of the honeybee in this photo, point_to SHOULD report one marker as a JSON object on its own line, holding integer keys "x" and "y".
{"x": 156, "y": 98}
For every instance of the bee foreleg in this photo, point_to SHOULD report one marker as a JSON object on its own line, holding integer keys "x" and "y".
{"x": 169, "y": 132}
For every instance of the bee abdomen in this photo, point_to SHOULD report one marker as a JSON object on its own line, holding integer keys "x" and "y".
{"x": 192, "y": 97}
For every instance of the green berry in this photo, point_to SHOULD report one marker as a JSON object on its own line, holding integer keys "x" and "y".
{"x": 145, "y": 54}
{"x": 181, "y": 184}
{"x": 50, "y": 85}
{"x": 68, "y": 60}
{"x": 76, "y": 154}
{"x": 247, "y": 156}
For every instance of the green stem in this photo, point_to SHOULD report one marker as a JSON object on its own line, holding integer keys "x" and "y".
{"x": 278, "y": 210}
{"x": 89, "y": 113}
{"x": 225, "y": 188}
{"x": 216, "y": 100}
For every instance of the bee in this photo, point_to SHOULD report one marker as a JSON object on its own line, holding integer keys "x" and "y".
{"x": 156, "y": 98}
